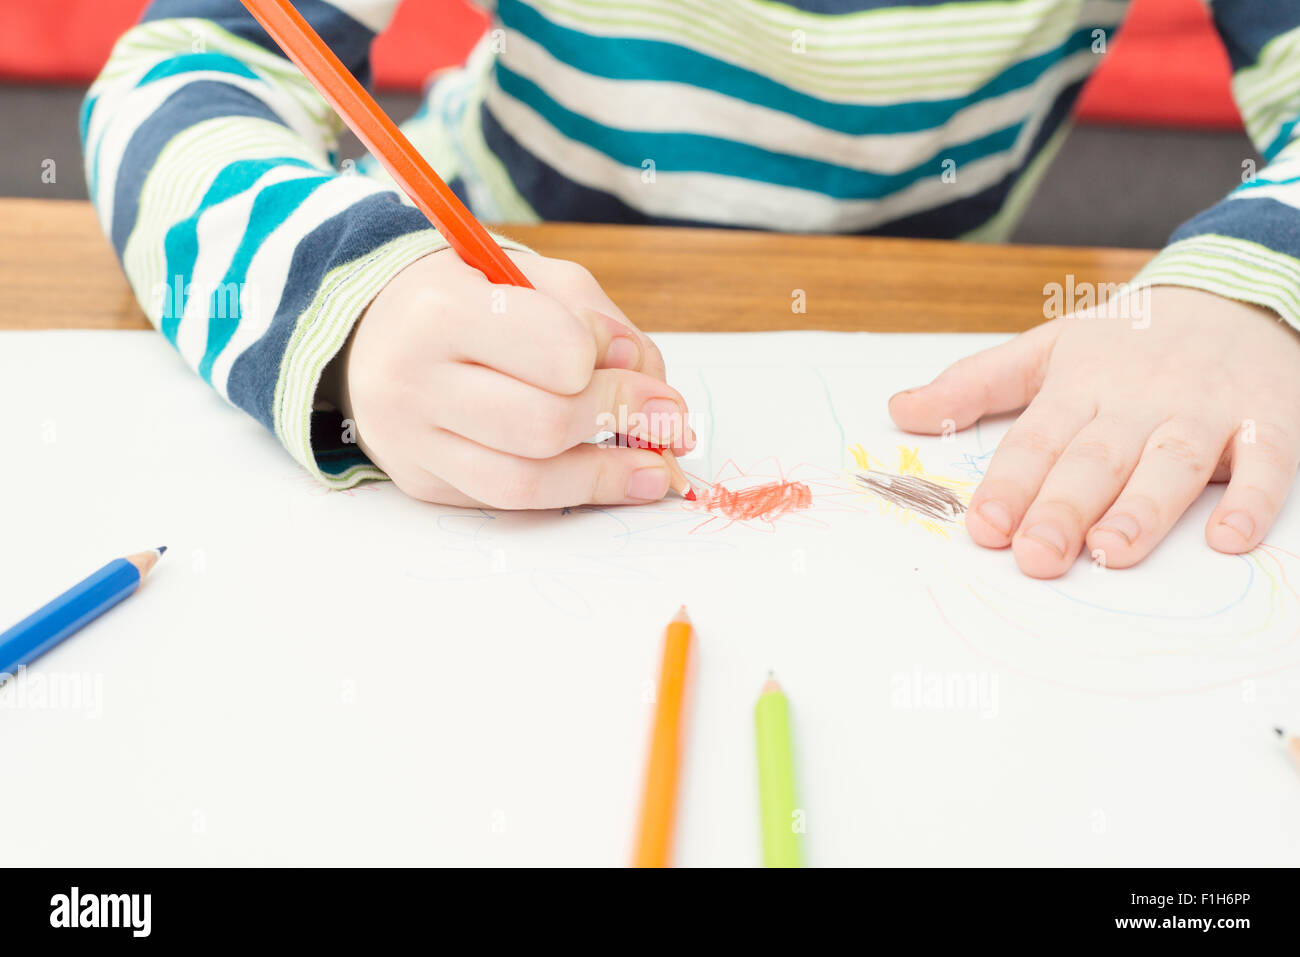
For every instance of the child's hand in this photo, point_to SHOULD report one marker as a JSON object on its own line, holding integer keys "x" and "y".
{"x": 467, "y": 393}
{"x": 1125, "y": 426}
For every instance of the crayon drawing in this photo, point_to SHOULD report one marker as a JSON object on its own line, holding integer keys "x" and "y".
{"x": 765, "y": 495}
{"x": 936, "y": 502}
{"x": 766, "y": 502}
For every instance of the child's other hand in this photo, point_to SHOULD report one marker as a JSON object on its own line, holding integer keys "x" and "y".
{"x": 1124, "y": 426}
{"x": 468, "y": 393}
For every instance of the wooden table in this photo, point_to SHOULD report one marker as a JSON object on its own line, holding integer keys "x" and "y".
{"x": 57, "y": 271}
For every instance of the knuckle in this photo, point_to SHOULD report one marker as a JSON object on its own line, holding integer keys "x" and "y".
{"x": 434, "y": 310}
{"x": 1062, "y": 509}
{"x": 654, "y": 358}
{"x": 1189, "y": 452}
{"x": 958, "y": 376}
{"x": 402, "y": 390}
{"x": 1010, "y": 492}
{"x": 1098, "y": 454}
{"x": 571, "y": 371}
{"x": 513, "y": 487}
{"x": 963, "y": 367}
{"x": 1275, "y": 452}
{"x": 1032, "y": 441}
{"x": 599, "y": 479}
{"x": 548, "y": 428}
{"x": 1148, "y": 513}
{"x": 1273, "y": 431}
{"x": 574, "y": 276}
{"x": 435, "y": 321}
{"x": 570, "y": 355}
{"x": 1274, "y": 458}
{"x": 1031, "y": 376}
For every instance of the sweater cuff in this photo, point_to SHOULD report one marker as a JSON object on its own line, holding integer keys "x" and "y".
{"x": 1232, "y": 268}
{"x": 318, "y": 439}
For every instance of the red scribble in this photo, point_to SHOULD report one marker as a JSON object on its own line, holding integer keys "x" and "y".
{"x": 754, "y": 497}
{"x": 765, "y": 502}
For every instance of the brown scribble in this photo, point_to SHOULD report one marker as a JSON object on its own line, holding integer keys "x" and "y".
{"x": 925, "y": 498}
{"x": 764, "y": 502}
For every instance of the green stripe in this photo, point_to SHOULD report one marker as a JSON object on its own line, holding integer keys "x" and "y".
{"x": 1215, "y": 263}
{"x": 633, "y": 59}
{"x": 870, "y": 25}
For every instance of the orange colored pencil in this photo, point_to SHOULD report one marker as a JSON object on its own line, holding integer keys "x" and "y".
{"x": 411, "y": 171}
{"x": 386, "y": 142}
{"x": 654, "y": 836}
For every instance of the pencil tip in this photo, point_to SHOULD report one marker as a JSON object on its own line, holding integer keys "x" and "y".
{"x": 1279, "y": 732}
{"x": 681, "y": 615}
{"x": 689, "y": 494}
{"x": 771, "y": 684}
{"x": 161, "y": 550}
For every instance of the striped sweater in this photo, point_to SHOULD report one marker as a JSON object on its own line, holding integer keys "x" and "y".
{"x": 210, "y": 159}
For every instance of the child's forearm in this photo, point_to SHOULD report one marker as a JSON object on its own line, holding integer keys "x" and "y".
{"x": 209, "y": 160}
{"x": 1248, "y": 246}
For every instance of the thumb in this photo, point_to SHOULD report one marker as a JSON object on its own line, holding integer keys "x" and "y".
{"x": 1000, "y": 379}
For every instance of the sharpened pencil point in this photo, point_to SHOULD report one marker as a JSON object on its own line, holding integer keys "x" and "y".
{"x": 145, "y": 561}
{"x": 681, "y": 615}
{"x": 161, "y": 550}
{"x": 689, "y": 495}
{"x": 1280, "y": 732}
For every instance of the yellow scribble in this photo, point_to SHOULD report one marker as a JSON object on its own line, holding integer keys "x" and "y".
{"x": 909, "y": 464}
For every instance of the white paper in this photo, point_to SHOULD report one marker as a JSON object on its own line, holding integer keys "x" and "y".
{"x": 314, "y": 677}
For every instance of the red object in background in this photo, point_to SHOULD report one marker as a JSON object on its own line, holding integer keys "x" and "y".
{"x": 67, "y": 41}
{"x": 426, "y": 35}
{"x": 61, "y": 41}
{"x": 1167, "y": 68}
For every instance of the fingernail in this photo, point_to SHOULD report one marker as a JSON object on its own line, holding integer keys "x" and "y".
{"x": 1239, "y": 522}
{"x": 663, "y": 420}
{"x": 996, "y": 515}
{"x": 623, "y": 353}
{"x": 1122, "y": 525}
{"x": 1048, "y": 535}
{"x": 648, "y": 485}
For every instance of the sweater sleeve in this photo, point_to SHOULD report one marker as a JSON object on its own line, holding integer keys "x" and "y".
{"x": 1248, "y": 246}
{"x": 210, "y": 163}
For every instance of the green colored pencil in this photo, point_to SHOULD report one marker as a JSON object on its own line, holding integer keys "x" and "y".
{"x": 782, "y": 819}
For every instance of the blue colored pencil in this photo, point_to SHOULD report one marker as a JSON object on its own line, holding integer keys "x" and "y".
{"x": 82, "y": 603}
